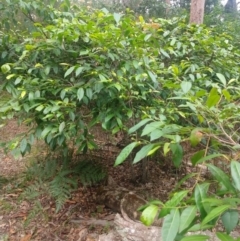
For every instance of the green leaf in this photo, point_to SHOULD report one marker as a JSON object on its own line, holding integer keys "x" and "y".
{"x": 213, "y": 98}
{"x": 143, "y": 153}
{"x": 186, "y": 86}
{"x": 117, "y": 17}
{"x": 125, "y": 153}
{"x": 165, "y": 53}
{"x": 139, "y": 125}
{"x": 173, "y": 202}
{"x": 149, "y": 214}
{"x": 80, "y": 93}
{"x": 62, "y": 126}
{"x": 89, "y": 93}
{"x": 166, "y": 148}
{"x": 221, "y": 177}
{"x": 78, "y": 71}
{"x": 148, "y": 36}
{"x": 224, "y": 237}
{"x": 226, "y": 94}
{"x": 177, "y": 154}
{"x": 5, "y": 68}
{"x": 200, "y": 193}
{"x": 214, "y": 213}
{"x": 69, "y": 71}
{"x": 235, "y": 172}
{"x": 197, "y": 156}
{"x": 222, "y": 79}
{"x": 151, "y": 127}
{"x": 170, "y": 225}
{"x": 198, "y": 237}
{"x": 187, "y": 216}
{"x": 207, "y": 158}
{"x": 23, "y": 145}
{"x": 156, "y": 135}
{"x": 230, "y": 220}
{"x": 199, "y": 227}
{"x": 152, "y": 76}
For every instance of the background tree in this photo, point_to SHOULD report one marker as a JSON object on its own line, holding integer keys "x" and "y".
{"x": 197, "y": 11}
{"x": 231, "y": 6}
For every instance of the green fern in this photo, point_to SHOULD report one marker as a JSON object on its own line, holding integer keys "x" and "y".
{"x": 61, "y": 187}
{"x": 89, "y": 172}
{"x": 50, "y": 177}
{"x": 33, "y": 191}
{"x": 34, "y": 213}
{"x": 44, "y": 170}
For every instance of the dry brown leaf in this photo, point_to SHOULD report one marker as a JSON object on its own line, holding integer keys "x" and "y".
{"x": 26, "y": 238}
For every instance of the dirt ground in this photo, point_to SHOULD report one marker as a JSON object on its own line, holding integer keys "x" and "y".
{"x": 47, "y": 225}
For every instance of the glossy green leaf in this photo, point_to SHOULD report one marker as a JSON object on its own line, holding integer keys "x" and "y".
{"x": 222, "y": 79}
{"x": 125, "y": 153}
{"x": 198, "y": 227}
{"x": 117, "y": 17}
{"x": 144, "y": 152}
{"x": 79, "y": 71}
{"x": 151, "y": 127}
{"x": 156, "y": 135}
{"x": 69, "y": 71}
{"x": 5, "y": 68}
{"x": 173, "y": 202}
{"x": 152, "y": 76}
{"x": 214, "y": 213}
{"x": 149, "y": 214}
{"x": 80, "y": 93}
{"x": 221, "y": 177}
{"x": 226, "y": 94}
{"x": 166, "y": 148}
{"x": 186, "y": 218}
{"x": 177, "y": 154}
{"x": 207, "y": 158}
{"x": 171, "y": 225}
{"x": 197, "y": 156}
{"x": 230, "y": 220}
{"x": 23, "y": 145}
{"x": 186, "y": 86}
{"x": 198, "y": 237}
{"x": 235, "y": 172}
{"x": 224, "y": 237}
{"x": 62, "y": 126}
{"x": 148, "y": 36}
{"x": 139, "y": 125}
{"x": 89, "y": 93}
{"x": 200, "y": 193}
{"x": 164, "y": 53}
{"x": 213, "y": 98}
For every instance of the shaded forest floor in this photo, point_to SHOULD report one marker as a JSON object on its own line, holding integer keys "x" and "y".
{"x": 36, "y": 219}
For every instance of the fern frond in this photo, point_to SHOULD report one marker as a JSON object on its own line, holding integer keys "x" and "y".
{"x": 35, "y": 212}
{"x": 61, "y": 187}
{"x": 89, "y": 172}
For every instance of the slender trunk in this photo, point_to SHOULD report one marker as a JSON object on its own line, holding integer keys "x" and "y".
{"x": 197, "y": 11}
{"x": 168, "y": 3}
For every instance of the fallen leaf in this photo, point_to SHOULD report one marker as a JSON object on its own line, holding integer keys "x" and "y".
{"x": 26, "y": 238}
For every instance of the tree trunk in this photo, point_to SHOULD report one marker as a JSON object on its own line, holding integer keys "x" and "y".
{"x": 231, "y": 6}
{"x": 168, "y": 4}
{"x": 197, "y": 11}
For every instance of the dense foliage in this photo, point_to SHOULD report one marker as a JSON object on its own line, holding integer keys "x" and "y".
{"x": 165, "y": 83}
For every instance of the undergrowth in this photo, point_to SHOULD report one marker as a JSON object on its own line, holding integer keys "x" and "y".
{"x": 56, "y": 180}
